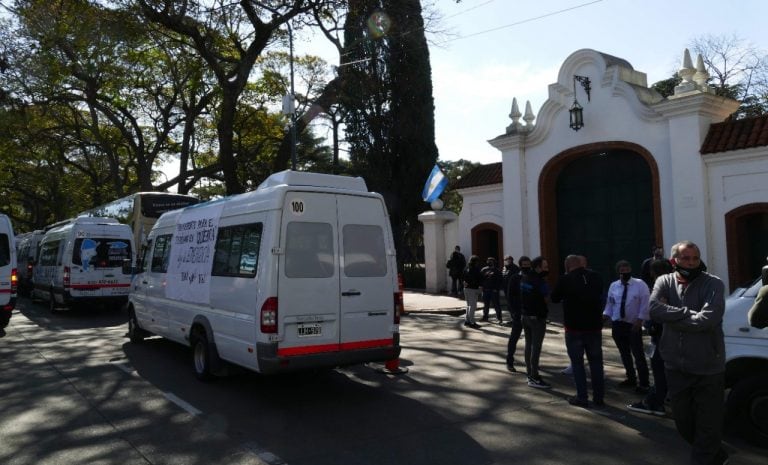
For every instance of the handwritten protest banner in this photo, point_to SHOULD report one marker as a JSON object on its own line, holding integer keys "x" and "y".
{"x": 192, "y": 250}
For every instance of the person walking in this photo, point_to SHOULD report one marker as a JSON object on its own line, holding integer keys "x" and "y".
{"x": 627, "y": 308}
{"x": 690, "y": 304}
{"x": 581, "y": 292}
{"x": 492, "y": 280}
{"x": 512, "y": 293}
{"x": 472, "y": 280}
{"x": 533, "y": 300}
{"x": 456, "y": 265}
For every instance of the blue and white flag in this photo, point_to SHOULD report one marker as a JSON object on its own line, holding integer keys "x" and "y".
{"x": 435, "y": 185}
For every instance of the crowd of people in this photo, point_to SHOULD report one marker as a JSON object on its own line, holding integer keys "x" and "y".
{"x": 675, "y": 302}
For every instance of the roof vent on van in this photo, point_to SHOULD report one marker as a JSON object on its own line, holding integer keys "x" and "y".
{"x": 303, "y": 178}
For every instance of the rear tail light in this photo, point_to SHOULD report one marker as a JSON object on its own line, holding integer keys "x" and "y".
{"x": 29, "y": 269}
{"x": 14, "y": 281}
{"x": 399, "y": 307}
{"x": 269, "y": 316}
{"x": 66, "y": 277}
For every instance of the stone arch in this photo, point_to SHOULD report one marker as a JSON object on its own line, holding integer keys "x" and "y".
{"x": 746, "y": 237}
{"x": 548, "y": 181}
{"x": 487, "y": 241}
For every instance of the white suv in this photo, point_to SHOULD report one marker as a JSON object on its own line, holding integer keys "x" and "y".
{"x": 746, "y": 367}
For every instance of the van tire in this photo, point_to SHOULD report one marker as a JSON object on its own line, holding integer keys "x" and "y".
{"x": 201, "y": 356}
{"x": 748, "y": 409}
{"x": 135, "y": 334}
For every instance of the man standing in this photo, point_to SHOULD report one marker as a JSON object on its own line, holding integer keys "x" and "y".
{"x": 627, "y": 307}
{"x": 512, "y": 291}
{"x": 581, "y": 291}
{"x": 492, "y": 281}
{"x": 657, "y": 253}
{"x": 456, "y": 265}
{"x": 533, "y": 301}
{"x": 690, "y": 303}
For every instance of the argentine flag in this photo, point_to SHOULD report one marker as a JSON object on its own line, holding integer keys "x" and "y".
{"x": 435, "y": 185}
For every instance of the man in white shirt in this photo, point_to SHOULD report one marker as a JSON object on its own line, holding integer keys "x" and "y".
{"x": 627, "y": 307}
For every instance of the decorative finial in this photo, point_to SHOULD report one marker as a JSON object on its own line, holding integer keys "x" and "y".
{"x": 515, "y": 116}
{"x": 702, "y": 76}
{"x": 529, "y": 117}
{"x": 686, "y": 72}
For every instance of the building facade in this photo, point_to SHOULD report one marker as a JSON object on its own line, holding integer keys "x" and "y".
{"x": 642, "y": 170}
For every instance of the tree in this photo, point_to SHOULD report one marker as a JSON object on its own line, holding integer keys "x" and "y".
{"x": 455, "y": 170}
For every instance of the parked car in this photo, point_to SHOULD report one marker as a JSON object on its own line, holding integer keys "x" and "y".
{"x": 746, "y": 370}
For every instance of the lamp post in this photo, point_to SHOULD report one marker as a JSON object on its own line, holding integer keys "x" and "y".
{"x": 576, "y": 111}
{"x": 289, "y": 101}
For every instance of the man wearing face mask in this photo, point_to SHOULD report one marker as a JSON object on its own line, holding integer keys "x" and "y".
{"x": 690, "y": 303}
{"x": 533, "y": 301}
{"x": 627, "y": 308}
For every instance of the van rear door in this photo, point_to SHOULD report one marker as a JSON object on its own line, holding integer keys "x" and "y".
{"x": 367, "y": 278}
{"x": 308, "y": 282}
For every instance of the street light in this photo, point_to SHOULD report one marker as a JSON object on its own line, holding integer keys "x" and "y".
{"x": 289, "y": 101}
{"x": 577, "y": 111}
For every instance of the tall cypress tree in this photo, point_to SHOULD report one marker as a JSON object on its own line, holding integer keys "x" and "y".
{"x": 390, "y": 124}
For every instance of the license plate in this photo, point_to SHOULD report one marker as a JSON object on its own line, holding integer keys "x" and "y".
{"x": 310, "y": 330}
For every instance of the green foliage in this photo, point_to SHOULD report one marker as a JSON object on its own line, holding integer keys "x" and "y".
{"x": 454, "y": 170}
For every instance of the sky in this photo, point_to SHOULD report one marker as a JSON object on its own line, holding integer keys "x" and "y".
{"x": 500, "y": 49}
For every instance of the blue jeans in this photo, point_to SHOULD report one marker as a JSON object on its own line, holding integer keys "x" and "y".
{"x": 590, "y": 342}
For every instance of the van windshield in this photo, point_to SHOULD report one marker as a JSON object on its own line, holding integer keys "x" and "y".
{"x": 5, "y": 250}
{"x": 100, "y": 252}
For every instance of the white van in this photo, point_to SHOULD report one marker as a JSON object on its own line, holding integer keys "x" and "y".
{"x": 8, "y": 277}
{"x": 746, "y": 367}
{"x": 27, "y": 248}
{"x": 297, "y": 274}
{"x": 81, "y": 261}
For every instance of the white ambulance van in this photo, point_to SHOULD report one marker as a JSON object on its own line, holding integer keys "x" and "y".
{"x": 8, "y": 276}
{"x": 81, "y": 261}
{"x": 298, "y": 274}
{"x": 27, "y": 248}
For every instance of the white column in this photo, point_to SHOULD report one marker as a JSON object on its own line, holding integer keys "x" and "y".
{"x": 435, "y": 254}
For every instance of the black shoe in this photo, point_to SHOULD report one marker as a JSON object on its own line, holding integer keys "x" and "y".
{"x": 475, "y": 326}
{"x": 538, "y": 383}
{"x": 627, "y": 383}
{"x": 575, "y": 401}
{"x": 511, "y": 369}
{"x": 598, "y": 403}
{"x": 468, "y": 324}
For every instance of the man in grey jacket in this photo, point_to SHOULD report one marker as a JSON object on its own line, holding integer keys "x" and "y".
{"x": 690, "y": 303}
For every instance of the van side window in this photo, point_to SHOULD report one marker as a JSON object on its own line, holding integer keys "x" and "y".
{"x": 309, "y": 251}
{"x": 146, "y": 256}
{"x": 49, "y": 252}
{"x": 5, "y": 250}
{"x": 161, "y": 253}
{"x": 237, "y": 250}
{"x": 364, "y": 252}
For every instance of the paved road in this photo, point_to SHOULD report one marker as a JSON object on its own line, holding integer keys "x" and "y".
{"x": 73, "y": 390}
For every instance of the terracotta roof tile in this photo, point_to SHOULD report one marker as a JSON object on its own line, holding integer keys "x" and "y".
{"x": 736, "y": 134}
{"x": 484, "y": 175}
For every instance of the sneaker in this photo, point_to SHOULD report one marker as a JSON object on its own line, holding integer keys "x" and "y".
{"x": 511, "y": 369}
{"x": 627, "y": 383}
{"x": 538, "y": 383}
{"x": 474, "y": 325}
{"x": 642, "y": 407}
{"x": 575, "y": 401}
{"x": 567, "y": 370}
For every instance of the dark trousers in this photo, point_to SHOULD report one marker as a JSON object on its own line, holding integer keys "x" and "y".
{"x": 698, "y": 408}
{"x": 534, "y": 328}
{"x": 658, "y": 392}
{"x": 579, "y": 343}
{"x": 457, "y": 285}
{"x": 514, "y": 335}
{"x": 630, "y": 345}
{"x": 491, "y": 296}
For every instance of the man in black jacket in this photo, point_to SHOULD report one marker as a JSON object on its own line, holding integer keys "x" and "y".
{"x": 581, "y": 291}
{"x": 533, "y": 305}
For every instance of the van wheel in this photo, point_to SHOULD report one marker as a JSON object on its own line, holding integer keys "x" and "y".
{"x": 135, "y": 333}
{"x": 201, "y": 356}
{"x": 748, "y": 408}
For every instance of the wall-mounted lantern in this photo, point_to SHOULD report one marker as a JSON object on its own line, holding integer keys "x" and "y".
{"x": 577, "y": 111}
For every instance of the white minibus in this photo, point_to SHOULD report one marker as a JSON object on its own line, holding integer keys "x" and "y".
{"x": 298, "y": 274}
{"x": 27, "y": 248}
{"x": 8, "y": 276}
{"x": 81, "y": 261}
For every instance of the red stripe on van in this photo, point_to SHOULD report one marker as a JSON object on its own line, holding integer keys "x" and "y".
{"x": 357, "y": 345}
{"x": 97, "y": 286}
{"x": 5, "y": 291}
